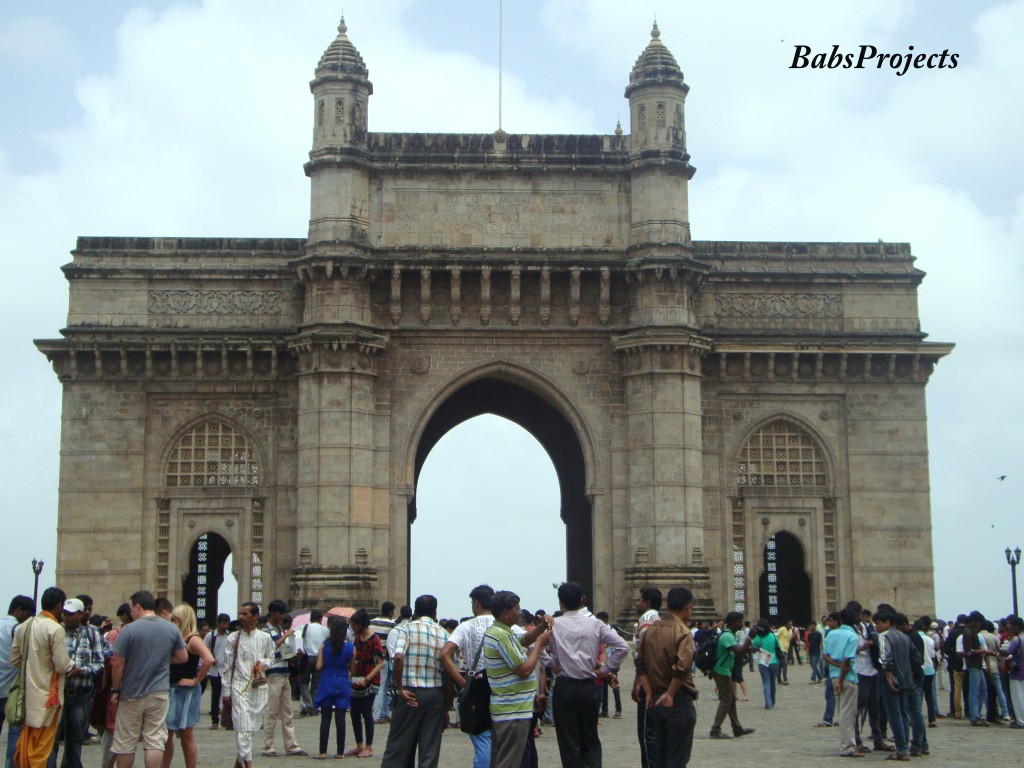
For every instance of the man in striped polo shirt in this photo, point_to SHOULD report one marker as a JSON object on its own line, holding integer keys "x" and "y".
{"x": 512, "y": 674}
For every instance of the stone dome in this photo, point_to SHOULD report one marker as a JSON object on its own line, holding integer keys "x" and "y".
{"x": 342, "y": 58}
{"x": 655, "y": 66}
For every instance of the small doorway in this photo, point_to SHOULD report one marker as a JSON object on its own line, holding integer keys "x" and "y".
{"x": 206, "y": 562}
{"x": 785, "y": 585}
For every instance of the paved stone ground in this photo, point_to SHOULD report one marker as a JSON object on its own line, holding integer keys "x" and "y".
{"x": 785, "y": 737}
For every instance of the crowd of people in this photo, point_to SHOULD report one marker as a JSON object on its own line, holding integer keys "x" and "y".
{"x": 499, "y": 675}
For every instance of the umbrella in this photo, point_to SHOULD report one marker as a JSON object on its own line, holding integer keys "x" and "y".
{"x": 341, "y": 610}
{"x": 300, "y": 618}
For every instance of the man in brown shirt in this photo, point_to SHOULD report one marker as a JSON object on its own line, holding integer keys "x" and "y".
{"x": 664, "y": 665}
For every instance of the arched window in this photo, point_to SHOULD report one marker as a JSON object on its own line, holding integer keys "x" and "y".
{"x": 213, "y": 454}
{"x": 642, "y": 116}
{"x": 781, "y": 454}
{"x": 661, "y": 114}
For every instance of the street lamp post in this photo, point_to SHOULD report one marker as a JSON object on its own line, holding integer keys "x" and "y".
{"x": 1013, "y": 559}
{"x": 37, "y": 568}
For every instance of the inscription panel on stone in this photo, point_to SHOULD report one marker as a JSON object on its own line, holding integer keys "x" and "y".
{"x": 488, "y": 216}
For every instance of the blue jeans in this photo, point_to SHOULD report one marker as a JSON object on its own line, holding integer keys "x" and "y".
{"x": 382, "y": 704}
{"x": 769, "y": 679}
{"x": 830, "y": 703}
{"x": 481, "y": 749}
{"x": 977, "y": 693}
{"x": 13, "y": 732}
{"x": 997, "y": 685}
{"x": 74, "y": 720}
{"x": 817, "y": 673}
{"x": 918, "y": 732}
{"x": 897, "y": 706}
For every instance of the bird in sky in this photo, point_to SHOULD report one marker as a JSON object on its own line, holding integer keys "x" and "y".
{"x": 1001, "y": 478}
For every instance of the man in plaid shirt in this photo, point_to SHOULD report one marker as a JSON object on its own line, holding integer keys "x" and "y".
{"x": 85, "y": 649}
{"x": 418, "y": 719}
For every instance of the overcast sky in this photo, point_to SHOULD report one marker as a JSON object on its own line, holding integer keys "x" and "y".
{"x": 193, "y": 119}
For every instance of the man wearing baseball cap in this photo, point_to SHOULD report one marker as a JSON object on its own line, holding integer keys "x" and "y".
{"x": 87, "y": 655}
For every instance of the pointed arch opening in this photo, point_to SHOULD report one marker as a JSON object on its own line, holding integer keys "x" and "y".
{"x": 207, "y": 561}
{"x": 557, "y": 437}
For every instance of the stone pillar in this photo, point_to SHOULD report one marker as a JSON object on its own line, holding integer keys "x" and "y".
{"x": 337, "y": 501}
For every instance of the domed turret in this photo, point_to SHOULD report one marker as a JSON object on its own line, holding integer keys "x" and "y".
{"x": 341, "y": 90}
{"x": 656, "y": 94}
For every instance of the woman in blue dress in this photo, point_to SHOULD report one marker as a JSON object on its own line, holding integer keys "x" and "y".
{"x": 334, "y": 692}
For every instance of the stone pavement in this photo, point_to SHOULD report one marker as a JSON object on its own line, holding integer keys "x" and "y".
{"x": 785, "y": 736}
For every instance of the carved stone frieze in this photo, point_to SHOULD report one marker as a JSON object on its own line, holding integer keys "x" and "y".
{"x": 778, "y": 305}
{"x": 172, "y": 302}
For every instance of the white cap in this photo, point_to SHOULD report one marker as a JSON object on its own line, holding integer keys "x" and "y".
{"x": 74, "y": 605}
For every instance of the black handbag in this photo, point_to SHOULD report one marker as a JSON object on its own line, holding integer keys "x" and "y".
{"x": 475, "y": 700}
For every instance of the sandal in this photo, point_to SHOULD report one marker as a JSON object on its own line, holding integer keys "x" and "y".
{"x": 354, "y": 752}
{"x": 269, "y": 753}
{"x": 365, "y": 753}
{"x": 298, "y": 753}
{"x": 320, "y": 756}
{"x": 823, "y": 724}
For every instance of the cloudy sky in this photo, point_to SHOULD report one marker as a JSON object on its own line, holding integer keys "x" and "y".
{"x": 192, "y": 118}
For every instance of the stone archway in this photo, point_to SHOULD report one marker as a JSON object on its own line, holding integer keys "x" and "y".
{"x": 551, "y": 429}
{"x": 785, "y": 586}
{"x": 206, "y": 561}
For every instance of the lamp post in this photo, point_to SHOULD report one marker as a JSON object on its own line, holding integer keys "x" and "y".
{"x": 1012, "y": 559}
{"x": 37, "y": 568}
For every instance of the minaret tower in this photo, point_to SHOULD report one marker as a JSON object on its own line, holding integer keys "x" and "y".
{"x": 657, "y": 146}
{"x": 341, "y": 89}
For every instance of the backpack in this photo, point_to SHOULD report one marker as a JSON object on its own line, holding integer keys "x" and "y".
{"x": 706, "y": 654}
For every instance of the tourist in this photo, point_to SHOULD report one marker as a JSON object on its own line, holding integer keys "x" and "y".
{"x": 1015, "y": 650}
{"x": 40, "y": 645}
{"x": 418, "y": 719}
{"x": 664, "y": 666}
{"x": 575, "y": 648}
{"x": 767, "y": 646}
{"x": 784, "y": 634}
{"x": 215, "y": 642}
{"x": 648, "y": 605}
{"x": 279, "y": 703}
{"x": 367, "y": 663}
{"x": 20, "y": 610}
{"x": 382, "y": 625}
{"x": 972, "y": 650}
{"x": 512, "y": 675}
{"x": 898, "y": 660}
{"x": 140, "y": 681}
{"x": 85, "y": 649}
{"x": 334, "y": 689}
{"x": 928, "y": 667}
{"x": 813, "y": 638}
{"x": 467, "y": 641}
{"x": 163, "y": 608}
{"x": 727, "y": 652}
{"x": 186, "y": 691}
{"x": 612, "y": 682}
{"x": 867, "y": 666}
{"x": 841, "y": 645}
{"x": 738, "y": 683}
{"x": 918, "y": 735}
{"x": 996, "y": 706}
{"x": 249, "y": 651}
{"x": 313, "y": 636}
{"x": 828, "y": 717}
{"x": 951, "y": 649}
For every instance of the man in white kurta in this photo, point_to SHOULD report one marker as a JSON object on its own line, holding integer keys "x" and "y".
{"x": 243, "y": 651}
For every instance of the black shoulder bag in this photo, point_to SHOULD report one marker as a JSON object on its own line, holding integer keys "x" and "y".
{"x": 475, "y": 700}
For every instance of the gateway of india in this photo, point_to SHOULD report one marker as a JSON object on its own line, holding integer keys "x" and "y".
{"x": 746, "y": 419}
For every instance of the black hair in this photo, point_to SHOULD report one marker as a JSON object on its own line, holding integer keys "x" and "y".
{"x": 733, "y": 616}
{"x": 1016, "y": 621}
{"x": 679, "y": 598}
{"x": 603, "y": 615}
{"x": 651, "y": 596}
{"x": 277, "y": 606}
{"x": 86, "y": 600}
{"x": 338, "y": 629}
{"x": 483, "y": 595}
{"x": 124, "y": 609}
{"x": 234, "y": 626}
{"x": 360, "y": 617}
{"x": 387, "y": 608}
{"x": 253, "y": 608}
{"x": 163, "y": 605}
{"x": 223, "y": 617}
{"x": 52, "y": 599}
{"x": 22, "y": 602}
{"x": 502, "y": 601}
{"x": 426, "y": 605}
{"x": 571, "y": 595}
{"x": 885, "y": 615}
{"x": 405, "y": 612}
{"x": 96, "y": 620}
{"x": 315, "y": 617}
{"x": 900, "y": 618}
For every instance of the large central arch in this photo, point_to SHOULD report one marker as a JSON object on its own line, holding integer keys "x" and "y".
{"x": 512, "y": 400}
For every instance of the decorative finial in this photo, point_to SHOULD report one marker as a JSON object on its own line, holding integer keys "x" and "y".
{"x": 342, "y": 28}
{"x": 618, "y": 127}
{"x": 655, "y": 32}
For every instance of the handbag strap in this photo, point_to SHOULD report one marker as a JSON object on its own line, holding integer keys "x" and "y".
{"x": 234, "y": 659}
{"x": 24, "y": 652}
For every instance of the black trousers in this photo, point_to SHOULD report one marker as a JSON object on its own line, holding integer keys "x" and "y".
{"x": 648, "y": 746}
{"x": 416, "y": 729}
{"x": 215, "y": 698}
{"x": 576, "y": 705}
{"x": 673, "y": 731}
